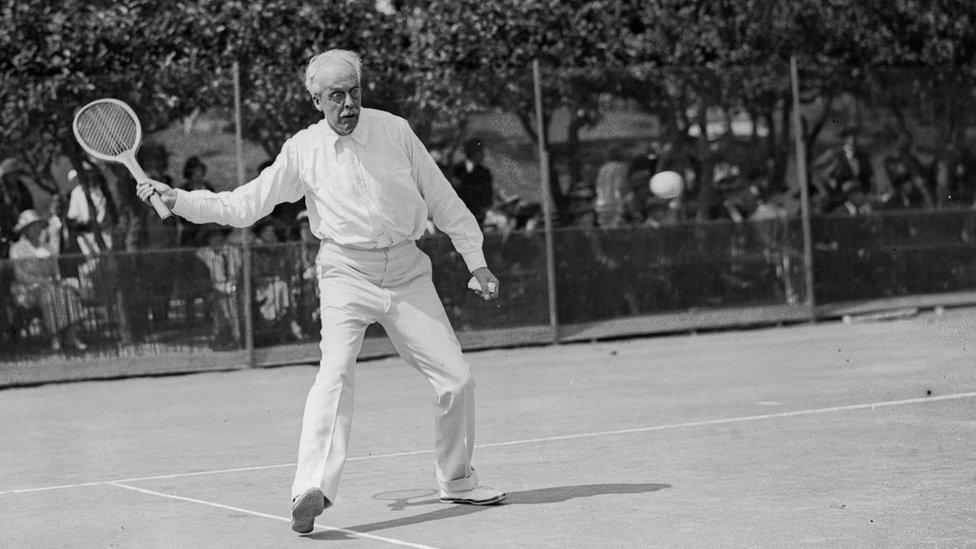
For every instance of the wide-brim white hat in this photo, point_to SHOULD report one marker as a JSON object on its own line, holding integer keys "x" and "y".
{"x": 27, "y": 218}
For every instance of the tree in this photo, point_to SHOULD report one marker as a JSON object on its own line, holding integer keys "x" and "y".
{"x": 909, "y": 65}
{"x": 56, "y": 57}
{"x": 472, "y": 56}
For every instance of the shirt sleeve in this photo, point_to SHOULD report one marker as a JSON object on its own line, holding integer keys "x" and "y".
{"x": 248, "y": 203}
{"x": 449, "y": 213}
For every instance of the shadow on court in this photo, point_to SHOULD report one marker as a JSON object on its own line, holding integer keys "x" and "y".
{"x": 528, "y": 497}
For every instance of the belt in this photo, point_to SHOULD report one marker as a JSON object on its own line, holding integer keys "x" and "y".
{"x": 368, "y": 248}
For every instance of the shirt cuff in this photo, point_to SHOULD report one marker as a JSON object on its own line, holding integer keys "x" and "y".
{"x": 177, "y": 203}
{"x": 474, "y": 260}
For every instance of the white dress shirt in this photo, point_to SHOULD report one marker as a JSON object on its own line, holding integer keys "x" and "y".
{"x": 78, "y": 209}
{"x": 79, "y": 212}
{"x": 371, "y": 189}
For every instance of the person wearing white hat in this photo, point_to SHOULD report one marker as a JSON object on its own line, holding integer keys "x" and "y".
{"x": 369, "y": 184}
{"x": 38, "y": 283}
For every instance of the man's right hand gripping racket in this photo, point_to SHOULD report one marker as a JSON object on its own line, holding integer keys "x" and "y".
{"x": 108, "y": 129}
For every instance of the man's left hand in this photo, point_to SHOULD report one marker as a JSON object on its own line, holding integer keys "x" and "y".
{"x": 489, "y": 284}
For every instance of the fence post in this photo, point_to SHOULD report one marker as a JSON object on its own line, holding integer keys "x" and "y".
{"x": 801, "y": 170}
{"x": 546, "y": 200}
{"x": 247, "y": 256}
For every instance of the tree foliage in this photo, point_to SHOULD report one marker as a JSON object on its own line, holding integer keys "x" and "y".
{"x": 441, "y": 60}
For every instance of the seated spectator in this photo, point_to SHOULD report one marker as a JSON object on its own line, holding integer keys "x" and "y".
{"x": 91, "y": 212}
{"x": 474, "y": 181}
{"x": 38, "y": 282}
{"x": 907, "y": 191}
{"x": 956, "y": 177}
{"x": 845, "y": 171}
{"x": 195, "y": 176}
{"x": 272, "y": 296}
{"x": 500, "y": 218}
{"x": 442, "y": 157}
{"x": 856, "y": 202}
{"x": 223, "y": 263}
{"x": 611, "y": 189}
{"x": 528, "y": 216}
{"x": 194, "y": 179}
{"x": 305, "y": 286}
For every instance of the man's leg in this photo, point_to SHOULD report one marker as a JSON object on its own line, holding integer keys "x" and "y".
{"x": 327, "y": 418}
{"x": 420, "y": 330}
{"x": 329, "y": 406}
{"x": 348, "y": 305}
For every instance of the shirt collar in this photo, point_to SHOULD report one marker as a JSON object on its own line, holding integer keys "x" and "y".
{"x": 360, "y": 134}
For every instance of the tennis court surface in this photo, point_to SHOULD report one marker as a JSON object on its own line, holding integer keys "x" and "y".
{"x": 823, "y": 435}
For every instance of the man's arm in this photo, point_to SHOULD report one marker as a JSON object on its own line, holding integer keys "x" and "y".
{"x": 449, "y": 213}
{"x": 241, "y": 207}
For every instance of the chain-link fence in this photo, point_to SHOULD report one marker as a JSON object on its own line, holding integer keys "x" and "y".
{"x": 890, "y": 182}
{"x": 894, "y": 254}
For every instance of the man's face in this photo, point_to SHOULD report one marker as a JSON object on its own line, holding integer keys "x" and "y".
{"x": 340, "y": 99}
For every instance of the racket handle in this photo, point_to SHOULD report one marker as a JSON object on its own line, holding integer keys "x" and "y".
{"x": 140, "y": 176}
{"x": 157, "y": 203}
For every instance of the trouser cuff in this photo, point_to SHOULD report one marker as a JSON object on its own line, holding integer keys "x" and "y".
{"x": 469, "y": 482}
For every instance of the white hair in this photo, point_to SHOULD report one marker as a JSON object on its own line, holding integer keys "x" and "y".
{"x": 313, "y": 81}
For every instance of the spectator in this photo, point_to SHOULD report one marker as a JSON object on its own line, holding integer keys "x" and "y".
{"x": 611, "y": 189}
{"x": 856, "y": 202}
{"x": 500, "y": 218}
{"x": 528, "y": 216}
{"x": 271, "y": 293}
{"x": 194, "y": 179}
{"x": 684, "y": 163}
{"x": 907, "y": 190}
{"x": 91, "y": 212}
{"x": 637, "y": 198}
{"x": 846, "y": 171}
{"x": 591, "y": 259}
{"x": 442, "y": 157}
{"x": 956, "y": 177}
{"x": 195, "y": 175}
{"x": 38, "y": 282}
{"x": 223, "y": 263}
{"x": 305, "y": 288}
{"x": 474, "y": 181}
{"x": 57, "y": 231}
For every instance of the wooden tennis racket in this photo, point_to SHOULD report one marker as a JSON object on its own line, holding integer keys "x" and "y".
{"x": 108, "y": 129}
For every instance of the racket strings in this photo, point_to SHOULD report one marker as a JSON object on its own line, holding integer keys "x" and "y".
{"x": 107, "y": 128}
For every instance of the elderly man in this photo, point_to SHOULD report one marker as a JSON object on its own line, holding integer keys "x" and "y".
{"x": 369, "y": 184}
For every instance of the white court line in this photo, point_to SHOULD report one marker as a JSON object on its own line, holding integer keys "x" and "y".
{"x": 259, "y": 467}
{"x": 849, "y": 407}
{"x": 703, "y": 423}
{"x": 61, "y": 487}
{"x": 272, "y": 517}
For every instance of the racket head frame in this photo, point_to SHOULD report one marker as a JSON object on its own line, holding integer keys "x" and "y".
{"x": 129, "y": 153}
{"x": 126, "y": 157}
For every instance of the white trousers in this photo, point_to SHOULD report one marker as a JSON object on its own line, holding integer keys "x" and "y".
{"x": 393, "y": 287}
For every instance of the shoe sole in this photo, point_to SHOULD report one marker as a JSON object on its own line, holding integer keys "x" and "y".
{"x": 490, "y": 501}
{"x": 303, "y": 512}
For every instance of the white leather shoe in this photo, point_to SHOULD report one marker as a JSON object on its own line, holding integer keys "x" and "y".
{"x": 481, "y": 495}
{"x": 305, "y": 508}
